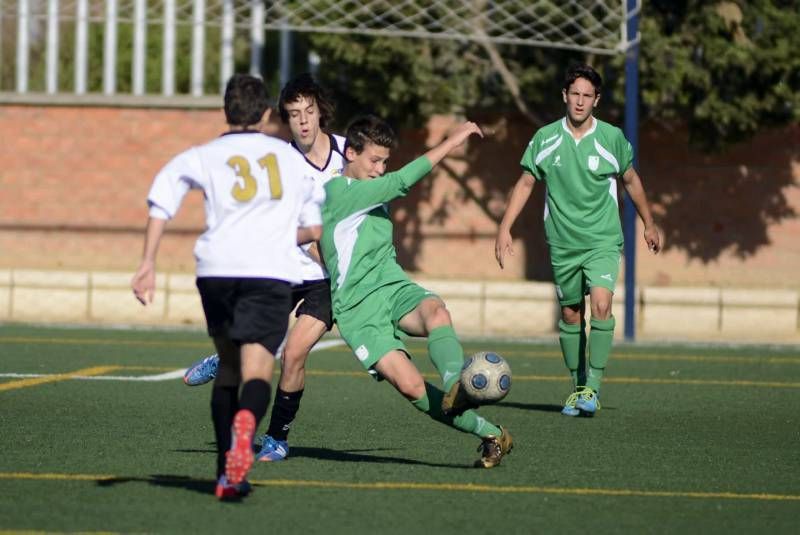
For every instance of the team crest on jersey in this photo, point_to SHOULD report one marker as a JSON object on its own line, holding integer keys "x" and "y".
{"x": 594, "y": 162}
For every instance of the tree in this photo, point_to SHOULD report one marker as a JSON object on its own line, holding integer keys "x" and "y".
{"x": 726, "y": 68}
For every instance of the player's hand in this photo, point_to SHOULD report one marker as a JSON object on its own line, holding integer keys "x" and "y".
{"x": 144, "y": 283}
{"x": 652, "y": 236}
{"x": 502, "y": 245}
{"x": 463, "y": 131}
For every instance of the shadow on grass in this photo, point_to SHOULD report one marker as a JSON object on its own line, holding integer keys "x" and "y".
{"x": 359, "y": 456}
{"x": 350, "y": 456}
{"x": 206, "y": 486}
{"x": 541, "y": 407}
{"x": 203, "y": 486}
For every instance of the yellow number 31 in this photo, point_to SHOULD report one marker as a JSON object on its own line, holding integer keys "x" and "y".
{"x": 246, "y": 190}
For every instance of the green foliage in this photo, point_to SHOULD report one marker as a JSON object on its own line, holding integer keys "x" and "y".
{"x": 124, "y": 59}
{"x": 725, "y": 68}
{"x": 725, "y": 79}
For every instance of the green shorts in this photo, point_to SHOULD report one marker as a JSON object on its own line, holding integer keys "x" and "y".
{"x": 576, "y": 271}
{"x": 371, "y": 327}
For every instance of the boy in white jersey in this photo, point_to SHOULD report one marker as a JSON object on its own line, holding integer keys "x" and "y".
{"x": 260, "y": 203}
{"x": 374, "y": 301}
{"x": 305, "y": 106}
{"x": 579, "y": 159}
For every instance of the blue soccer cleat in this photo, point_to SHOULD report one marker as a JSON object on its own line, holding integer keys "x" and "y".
{"x": 229, "y": 491}
{"x": 273, "y": 450}
{"x": 587, "y": 402}
{"x": 569, "y": 405}
{"x": 202, "y": 371}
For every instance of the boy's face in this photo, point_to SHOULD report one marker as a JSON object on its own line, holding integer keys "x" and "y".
{"x": 303, "y": 120}
{"x": 370, "y": 163}
{"x": 580, "y": 99}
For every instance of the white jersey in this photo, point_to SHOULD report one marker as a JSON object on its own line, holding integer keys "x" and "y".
{"x": 257, "y": 191}
{"x": 311, "y": 270}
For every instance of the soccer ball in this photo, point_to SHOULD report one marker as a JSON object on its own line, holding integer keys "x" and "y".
{"x": 486, "y": 377}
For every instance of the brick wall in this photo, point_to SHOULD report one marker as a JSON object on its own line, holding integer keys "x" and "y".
{"x": 73, "y": 182}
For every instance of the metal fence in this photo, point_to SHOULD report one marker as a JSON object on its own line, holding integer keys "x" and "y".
{"x": 192, "y": 47}
{"x": 45, "y": 37}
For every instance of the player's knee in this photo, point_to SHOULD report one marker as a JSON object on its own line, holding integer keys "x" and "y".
{"x": 570, "y": 315}
{"x": 601, "y": 310}
{"x": 411, "y": 387}
{"x": 293, "y": 357}
{"x": 439, "y": 317}
{"x": 292, "y": 368}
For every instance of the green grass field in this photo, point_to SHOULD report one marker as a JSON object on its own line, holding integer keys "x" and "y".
{"x": 690, "y": 439}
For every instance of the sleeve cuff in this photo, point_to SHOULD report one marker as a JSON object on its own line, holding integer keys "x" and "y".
{"x": 158, "y": 213}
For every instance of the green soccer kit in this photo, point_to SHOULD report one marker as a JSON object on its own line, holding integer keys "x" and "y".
{"x": 581, "y": 209}
{"x": 370, "y": 291}
{"x": 581, "y": 218}
{"x": 582, "y": 227}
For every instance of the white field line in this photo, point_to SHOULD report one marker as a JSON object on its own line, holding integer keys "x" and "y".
{"x": 175, "y": 374}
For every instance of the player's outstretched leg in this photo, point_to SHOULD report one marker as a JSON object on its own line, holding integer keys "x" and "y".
{"x": 494, "y": 448}
{"x": 447, "y": 355}
{"x": 201, "y": 371}
{"x": 471, "y": 422}
{"x": 456, "y": 400}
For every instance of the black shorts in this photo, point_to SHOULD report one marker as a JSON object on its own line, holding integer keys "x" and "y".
{"x": 316, "y": 300}
{"x": 246, "y": 310}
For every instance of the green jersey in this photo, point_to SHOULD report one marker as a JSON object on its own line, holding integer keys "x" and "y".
{"x": 581, "y": 210}
{"x": 357, "y": 239}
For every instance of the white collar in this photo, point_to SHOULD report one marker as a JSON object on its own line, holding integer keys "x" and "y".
{"x": 588, "y": 132}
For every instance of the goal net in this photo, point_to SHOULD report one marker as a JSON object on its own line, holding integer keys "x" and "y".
{"x": 597, "y": 26}
{"x": 35, "y": 33}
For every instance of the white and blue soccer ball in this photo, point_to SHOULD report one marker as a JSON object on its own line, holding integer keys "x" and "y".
{"x": 486, "y": 377}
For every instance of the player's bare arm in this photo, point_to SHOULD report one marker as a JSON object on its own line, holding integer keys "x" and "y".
{"x": 516, "y": 201}
{"x": 633, "y": 185}
{"x": 309, "y": 234}
{"x": 144, "y": 280}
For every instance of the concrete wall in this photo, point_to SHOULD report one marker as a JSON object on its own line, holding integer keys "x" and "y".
{"x": 74, "y": 180}
{"x": 72, "y": 211}
{"x": 479, "y": 308}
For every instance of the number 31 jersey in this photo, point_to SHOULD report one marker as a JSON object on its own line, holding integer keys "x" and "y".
{"x": 257, "y": 191}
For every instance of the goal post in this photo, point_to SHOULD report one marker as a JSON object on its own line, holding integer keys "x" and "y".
{"x": 34, "y": 31}
{"x": 594, "y": 26}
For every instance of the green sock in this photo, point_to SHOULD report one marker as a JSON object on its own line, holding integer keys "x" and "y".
{"x": 446, "y": 354}
{"x": 468, "y": 421}
{"x": 572, "y": 338}
{"x": 600, "y": 339}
